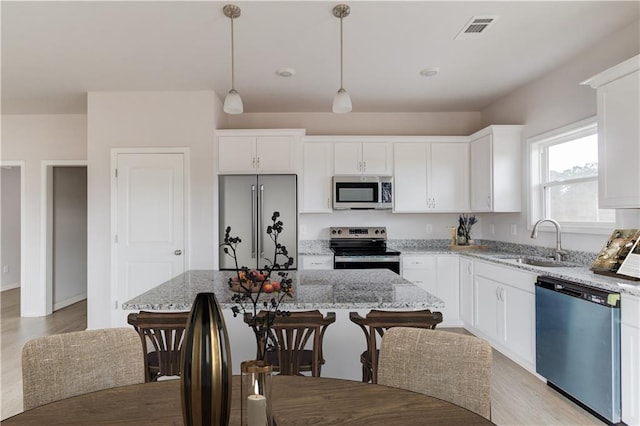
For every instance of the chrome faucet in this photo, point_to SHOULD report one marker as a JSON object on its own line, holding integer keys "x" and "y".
{"x": 559, "y": 251}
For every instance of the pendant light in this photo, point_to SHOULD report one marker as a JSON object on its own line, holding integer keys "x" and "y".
{"x": 342, "y": 101}
{"x": 233, "y": 102}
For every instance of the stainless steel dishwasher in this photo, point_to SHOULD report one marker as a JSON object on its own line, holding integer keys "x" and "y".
{"x": 578, "y": 343}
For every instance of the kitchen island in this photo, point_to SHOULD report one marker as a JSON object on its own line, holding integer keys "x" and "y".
{"x": 340, "y": 291}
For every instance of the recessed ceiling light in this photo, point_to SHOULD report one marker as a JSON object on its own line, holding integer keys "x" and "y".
{"x": 429, "y": 72}
{"x": 285, "y": 72}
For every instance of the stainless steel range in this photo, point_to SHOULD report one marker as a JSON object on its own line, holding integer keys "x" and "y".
{"x": 362, "y": 248}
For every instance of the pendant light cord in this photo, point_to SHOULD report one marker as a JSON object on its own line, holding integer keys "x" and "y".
{"x": 341, "y": 55}
{"x": 233, "y": 85}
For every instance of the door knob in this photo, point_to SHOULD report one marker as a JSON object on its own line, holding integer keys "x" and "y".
{"x": 177, "y": 252}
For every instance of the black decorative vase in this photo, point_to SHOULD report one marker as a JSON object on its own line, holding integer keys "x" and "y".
{"x": 205, "y": 381}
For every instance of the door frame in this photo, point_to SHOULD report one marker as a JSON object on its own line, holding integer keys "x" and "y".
{"x": 113, "y": 281}
{"x": 21, "y": 164}
{"x": 46, "y": 224}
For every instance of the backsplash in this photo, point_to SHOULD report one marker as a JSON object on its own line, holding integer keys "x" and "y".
{"x": 579, "y": 257}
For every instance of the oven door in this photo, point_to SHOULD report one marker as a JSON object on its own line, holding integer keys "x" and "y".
{"x": 367, "y": 262}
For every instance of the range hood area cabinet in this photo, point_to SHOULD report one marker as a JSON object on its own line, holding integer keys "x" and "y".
{"x": 258, "y": 151}
{"x": 618, "y": 91}
{"x": 431, "y": 175}
{"x": 496, "y": 169}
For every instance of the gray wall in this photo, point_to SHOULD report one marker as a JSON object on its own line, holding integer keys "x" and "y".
{"x": 69, "y": 235}
{"x": 10, "y": 227}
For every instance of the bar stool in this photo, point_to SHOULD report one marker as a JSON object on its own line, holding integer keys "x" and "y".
{"x": 377, "y": 322}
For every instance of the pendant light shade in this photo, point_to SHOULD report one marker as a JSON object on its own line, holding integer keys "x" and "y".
{"x": 342, "y": 100}
{"x": 233, "y": 102}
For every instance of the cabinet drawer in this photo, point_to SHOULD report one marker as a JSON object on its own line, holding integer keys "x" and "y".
{"x": 511, "y": 276}
{"x": 418, "y": 262}
{"x": 317, "y": 262}
{"x": 630, "y": 310}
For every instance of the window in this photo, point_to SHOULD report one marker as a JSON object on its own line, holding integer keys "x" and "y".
{"x": 564, "y": 177}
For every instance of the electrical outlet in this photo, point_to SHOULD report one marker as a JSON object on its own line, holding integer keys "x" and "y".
{"x": 5, "y": 269}
{"x": 492, "y": 228}
{"x": 428, "y": 228}
{"x": 514, "y": 229}
{"x": 303, "y": 229}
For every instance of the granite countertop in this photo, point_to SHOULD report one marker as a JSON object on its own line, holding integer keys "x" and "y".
{"x": 313, "y": 289}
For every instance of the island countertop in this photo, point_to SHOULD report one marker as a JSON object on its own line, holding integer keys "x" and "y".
{"x": 312, "y": 289}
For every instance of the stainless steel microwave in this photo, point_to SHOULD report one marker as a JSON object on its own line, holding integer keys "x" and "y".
{"x": 362, "y": 192}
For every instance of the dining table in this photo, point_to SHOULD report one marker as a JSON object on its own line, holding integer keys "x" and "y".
{"x": 297, "y": 400}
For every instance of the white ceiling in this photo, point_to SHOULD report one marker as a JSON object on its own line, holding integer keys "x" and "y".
{"x": 54, "y": 52}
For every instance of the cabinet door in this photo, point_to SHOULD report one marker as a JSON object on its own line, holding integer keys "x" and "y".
{"x": 449, "y": 173}
{"x": 519, "y": 326}
{"x": 376, "y": 158}
{"x": 348, "y": 158}
{"x": 618, "y": 147}
{"x": 236, "y": 154}
{"x": 448, "y": 286}
{"x": 274, "y": 154}
{"x": 466, "y": 291}
{"x": 630, "y": 374}
{"x": 481, "y": 175}
{"x": 488, "y": 310}
{"x": 316, "y": 178}
{"x": 410, "y": 177}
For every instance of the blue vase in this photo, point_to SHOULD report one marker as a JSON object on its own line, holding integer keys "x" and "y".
{"x": 205, "y": 381}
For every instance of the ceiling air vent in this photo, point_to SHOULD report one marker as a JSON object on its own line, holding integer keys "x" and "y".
{"x": 477, "y": 26}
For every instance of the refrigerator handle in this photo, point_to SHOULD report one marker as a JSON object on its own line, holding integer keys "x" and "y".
{"x": 253, "y": 221}
{"x": 260, "y": 214}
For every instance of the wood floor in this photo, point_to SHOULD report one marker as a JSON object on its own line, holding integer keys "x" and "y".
{"x": 517, "y": 397}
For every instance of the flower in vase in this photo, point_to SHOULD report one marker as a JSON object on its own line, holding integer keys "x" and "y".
{"x": 261, "y": 290}
{"x": 465, "y": 222}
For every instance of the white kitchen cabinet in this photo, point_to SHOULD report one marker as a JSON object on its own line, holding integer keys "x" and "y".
{"x": 630, "y": 358}
{"x": 618, "y": 134}
{"x": 258, "y": 151}
{"x": 496, "y": 169}
{"x": 363, "y": 158}
{"x": 431, "y": 177}
{"x": 439, "y": 276}
{"x": 316, "y": 177}
{"x": 309, "y": 261}
{"x": 466, "y": 292}
{"x": 504, "y": 310}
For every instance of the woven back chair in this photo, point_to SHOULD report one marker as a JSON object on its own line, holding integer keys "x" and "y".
{"x": 299, "y": 339}
{"x": 165, "y": 331}
{"x": 64, "y": 365}
{"x": 376, "y": 323}
{"x": 450, "y": 366}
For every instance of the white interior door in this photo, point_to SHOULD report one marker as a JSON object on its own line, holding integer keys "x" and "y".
{"x": 150, "y": 223}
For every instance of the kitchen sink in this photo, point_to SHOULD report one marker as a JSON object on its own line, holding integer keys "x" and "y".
{"x": 545, "y": 263}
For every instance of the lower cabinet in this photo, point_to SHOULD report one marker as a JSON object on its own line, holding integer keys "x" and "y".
{"x": 630, "y": 359}
{"x": 466, "y": 292}
{"x": 438, "y": 274}
{"x": 309, "y": 261}
{"x": 504, "y": 310}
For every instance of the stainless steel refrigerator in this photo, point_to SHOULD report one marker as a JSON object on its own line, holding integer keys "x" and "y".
{"x": 247, "y": 203}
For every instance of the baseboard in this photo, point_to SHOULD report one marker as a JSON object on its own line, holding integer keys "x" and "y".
{"x": 9, "y": 286}
{"x": 70, "y": 301}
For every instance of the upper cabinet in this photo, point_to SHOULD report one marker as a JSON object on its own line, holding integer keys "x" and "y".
{"x": 317, "y": 172}
{"x": 362, "y": 158}
{"x": 258, "y": 151}
{"x": 431, "y": 176}
{"x": 496, "y": 169}
{"x": 618, "y": 134}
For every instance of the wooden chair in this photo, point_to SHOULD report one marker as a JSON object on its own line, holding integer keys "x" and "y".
{"x": 64, "y": 365}
{"x": 450, "y": 366}
{"x": 165, "y": 331}
{"x": 377, "y": 322}
{"x": 292, "y": 333}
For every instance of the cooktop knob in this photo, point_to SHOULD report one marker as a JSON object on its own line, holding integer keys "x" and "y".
{"x": 383, "y": 231}
{"x": 377, "y": 231}
{"x": 339, "y": 231}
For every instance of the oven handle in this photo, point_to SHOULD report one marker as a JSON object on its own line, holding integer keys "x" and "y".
{"x": 360, "y": 259}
